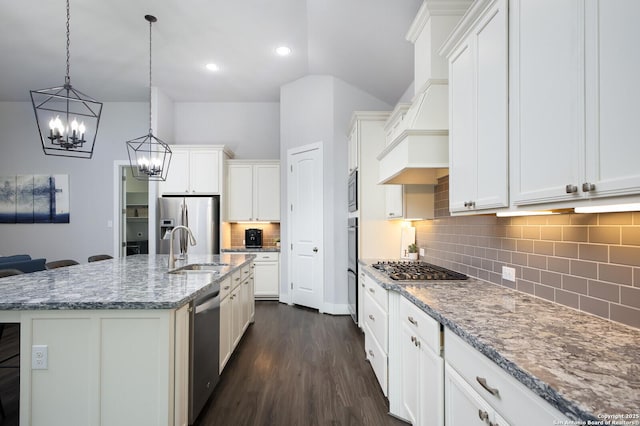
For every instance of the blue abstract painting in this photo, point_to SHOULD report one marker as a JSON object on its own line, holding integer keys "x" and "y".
{"x": 34, "y": 199}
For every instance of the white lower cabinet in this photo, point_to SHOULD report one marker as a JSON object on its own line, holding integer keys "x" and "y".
{"x": 267, "y": 275}
{"x": 376, "y": 326}
{"x": 422, "y": 367}
{"x": 477, "y": 391}
{"x": 237, "y": 310}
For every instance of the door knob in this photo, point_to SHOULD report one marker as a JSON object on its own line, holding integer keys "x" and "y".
{"x": 315, "y": 249}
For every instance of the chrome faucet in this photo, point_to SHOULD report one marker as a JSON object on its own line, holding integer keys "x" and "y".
{"x": 192, "y": 241}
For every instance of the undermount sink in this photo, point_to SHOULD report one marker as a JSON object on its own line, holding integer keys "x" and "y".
{"x": 200, "y": 267}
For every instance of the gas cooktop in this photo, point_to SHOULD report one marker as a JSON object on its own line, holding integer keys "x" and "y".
{"x": 416, "y": 271}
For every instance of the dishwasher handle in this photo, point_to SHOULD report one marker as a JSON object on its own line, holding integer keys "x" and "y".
{"x": 211, "y": 302}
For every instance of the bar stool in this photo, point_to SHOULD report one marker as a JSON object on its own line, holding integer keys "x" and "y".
{"x": 60, "y": 263}
{"x": 98, "y": 257}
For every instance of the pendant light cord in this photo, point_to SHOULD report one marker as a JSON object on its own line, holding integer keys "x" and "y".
{"x": 150, "y": 52}
{"x": 67, "y": 79}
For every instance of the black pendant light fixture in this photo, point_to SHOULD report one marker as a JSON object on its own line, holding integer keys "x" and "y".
{"x": 149, "y": 157}
{"x": 67, "y": 118}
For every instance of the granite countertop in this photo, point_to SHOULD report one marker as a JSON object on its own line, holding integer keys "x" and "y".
{"x": 133, "y": 282}
{"x": 243, "y": 249}
{"x": 583, "y": 365}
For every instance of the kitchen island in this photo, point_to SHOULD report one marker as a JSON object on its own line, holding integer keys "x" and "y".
{"x": 584, "y": 366}
{"x": 116, "y": 334}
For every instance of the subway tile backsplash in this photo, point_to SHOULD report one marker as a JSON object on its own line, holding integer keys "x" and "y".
{"x": 270, "y": 233}
{"x": 589, "y": 262}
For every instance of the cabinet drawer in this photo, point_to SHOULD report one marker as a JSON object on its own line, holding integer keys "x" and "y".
{"x": 510, "y": 398}
{"x": 225, "y": 287}
{"x": 377, "y": 321}
{"x": 378, "y": 293}
{"x": 236, "y": 278}
{"x": 377, "y": 357}
{"x": 420, "y": 323}
{"x": 246, "y": 271}
{"x": 266, "y": 257}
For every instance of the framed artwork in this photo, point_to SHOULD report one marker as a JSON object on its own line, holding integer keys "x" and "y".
{"x": 34, "y": 199}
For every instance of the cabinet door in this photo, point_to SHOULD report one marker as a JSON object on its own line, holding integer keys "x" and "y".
{"x": 612, "y": 93}
{"x": 267, "y": 279}
{"x": 492, "y": 109}
{"x": 246, "y": 306}
{"x": 462, "y": 144}
{"x": 252, "y": 300}
{"x": 394, "y": 202}
{"x": 239, "y": 197}
{"x": 236, "y": 316}
{"x": 225, "y": 331}
{"x": 204, "y": 171}
{"x": 463, "y": 406}
{"x": 431, "y": 387}
{"x": 410, "y": 366}
{"x": 547, "y": 97}
{"x": 266, "y": 192}
{"x": 178, "y": 176}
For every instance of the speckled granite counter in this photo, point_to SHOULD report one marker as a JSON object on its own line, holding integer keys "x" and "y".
{"x": 134, "y": 282}
{"x": 583, "y": 365}
{"x": 243, "y": 249}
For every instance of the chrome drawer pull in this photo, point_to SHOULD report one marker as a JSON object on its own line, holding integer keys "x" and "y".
{"x": 372, "y": 290}
{"x": 226, "y": 287}
{"x": 483, "y": 415}
{"x": 483, "y": 383}
{"x": 412, "y": 321}
{"x": 371, "y": 317}
{"x": 371, "y": 353}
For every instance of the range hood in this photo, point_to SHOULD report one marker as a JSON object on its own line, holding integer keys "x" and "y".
{"x": 417, "y": 149}
{"x": 419, "y": 139}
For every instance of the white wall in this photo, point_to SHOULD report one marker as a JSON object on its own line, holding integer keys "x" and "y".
{"x": 250, "y": 129}
{"x": 313, "y": 109}
{"x": 90, "y": 181}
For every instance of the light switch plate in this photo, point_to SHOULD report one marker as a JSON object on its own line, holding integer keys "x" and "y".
{"x": 39, "y": 357}
{"x": 421, "y": 251}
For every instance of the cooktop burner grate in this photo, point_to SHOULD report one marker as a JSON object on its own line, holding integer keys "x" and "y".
{"x": 416, "y": 271}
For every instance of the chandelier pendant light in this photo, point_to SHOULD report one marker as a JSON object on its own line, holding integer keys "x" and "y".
{"x": 149, "y": 157}
{"x": 67, "y": 118}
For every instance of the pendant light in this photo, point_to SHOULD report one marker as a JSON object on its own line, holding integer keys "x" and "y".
{"x": 67, "y": 118}
{"x": 149, "y": 157}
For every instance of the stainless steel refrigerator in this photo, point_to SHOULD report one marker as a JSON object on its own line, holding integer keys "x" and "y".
{"x": 200, "y": 213}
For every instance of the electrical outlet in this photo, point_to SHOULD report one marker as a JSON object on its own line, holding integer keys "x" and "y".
{"x": 421, "y": 252}
{"x": 508, "y": 273}
{"x": 39, "y": 357}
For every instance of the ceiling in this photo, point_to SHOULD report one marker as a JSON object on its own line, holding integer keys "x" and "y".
{"x": 359, "y": 41}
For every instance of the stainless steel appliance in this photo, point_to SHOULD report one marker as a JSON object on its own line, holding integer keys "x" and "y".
{"x": 204, "y": 350}
{"x": 352, "y": 191}
{"x": 416, "y": 271}
{"x": 352, "y": 268}
{"x": 253, "y": 238}
{"x": 200, "y": 213}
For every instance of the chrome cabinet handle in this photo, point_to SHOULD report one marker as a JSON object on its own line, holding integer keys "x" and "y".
{"x": 372, "y": 290}
{"x": 587, "y": 187}
{"x": 315, "y": 249}
{"x": 483, "y": 383}
{"x": 226, "y": 287}
{"x": 470, "y": 204}
{"x": 484, "y": 416}
{"x": 412, "y": 321}
{"x": 371, "y": 317}
{"x": 570, "y": 189}
{"x": 371, "y": 353}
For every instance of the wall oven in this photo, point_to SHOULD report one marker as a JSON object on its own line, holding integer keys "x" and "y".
{"x": 352, "y": 268}
{"x": 352, "y": 190}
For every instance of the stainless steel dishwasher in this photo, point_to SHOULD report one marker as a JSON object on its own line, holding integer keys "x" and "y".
{"x": 204, "y": 350}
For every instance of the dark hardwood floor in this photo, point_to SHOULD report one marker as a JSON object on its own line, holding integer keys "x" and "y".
{"x": 297, "y": 367}
{"x": 10, "y": 377}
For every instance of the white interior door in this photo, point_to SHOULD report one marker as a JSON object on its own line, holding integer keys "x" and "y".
{"x": 306, "y": 264}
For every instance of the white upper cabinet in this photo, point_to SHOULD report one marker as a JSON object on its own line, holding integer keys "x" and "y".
{"x": 254, "y": 191}
{"x": 195, "y": 170}
{"x": 573, "y": 88}
{"x": 478, "y": 108}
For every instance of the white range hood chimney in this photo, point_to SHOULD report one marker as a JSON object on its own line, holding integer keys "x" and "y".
{"x": 418, "y": 136}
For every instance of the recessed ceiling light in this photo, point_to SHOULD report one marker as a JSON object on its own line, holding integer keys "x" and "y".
{"x": 212, "y": 67}
{"x": 283, "y": 51}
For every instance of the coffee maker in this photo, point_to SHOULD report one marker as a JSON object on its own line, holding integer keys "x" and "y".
{"x": 253, "y": 238}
